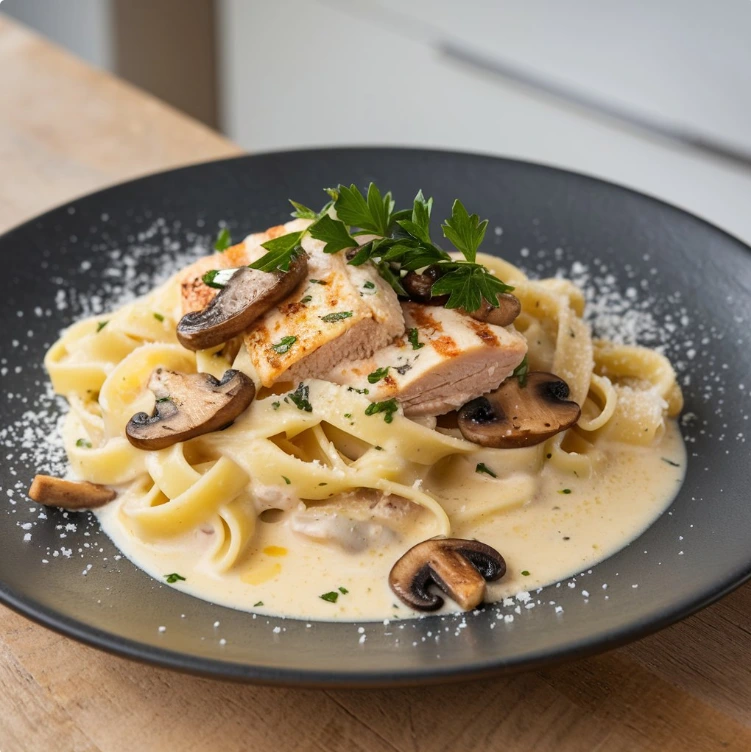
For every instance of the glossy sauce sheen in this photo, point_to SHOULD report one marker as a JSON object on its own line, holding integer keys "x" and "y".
{"x": 553, "y": 525}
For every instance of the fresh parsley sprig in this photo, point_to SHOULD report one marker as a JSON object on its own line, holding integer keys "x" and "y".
{"x": 403, "y": 243}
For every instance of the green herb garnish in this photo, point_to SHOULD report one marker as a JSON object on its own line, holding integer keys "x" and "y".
{"x": 347, "y": 415}
{"x": 223, "y": 240}
{"x": 521, "y": 372}
{"x": 565, "y": 491}
{"x": 318, "y": 282}
{"x": 306, "y": 299}
{"x": 359, "y": 391}
{"x": 525, "y": 573}
{"x": 173, "y": 578}
{"x": 331, "y": 597}
{"x": 276, "y": 405}
{"x": 83, "y": 443}
{"x": 164, "y": 399}
{"x": 284, "y": 344}
{"x": 282, "y": 251}
{"x": 101, "y": 326}
{"x": 286, "y": 479}
{"x": 670, "y": 462}
{"x": 257, "y": 604}
{"x": 369, "y": 285}
{"x": 210, "y": 276}
{"x": 377, "y": 375}
{"x": 412, "y": 335}
{"x": 343, "y": 590}
{"x": 159, "y": 317}
{"x": 299, "y": 398}
{"x": 332, "y": 232}
{"x": 331, "y": 318}
{"x": 388, "y": 407}
{"x": 483, "y": 468}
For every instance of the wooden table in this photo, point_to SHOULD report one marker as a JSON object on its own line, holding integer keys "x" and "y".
{"x": 67, "y": 129}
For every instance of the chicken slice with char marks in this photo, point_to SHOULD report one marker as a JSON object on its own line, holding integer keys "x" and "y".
{"x": 460, "y": 359}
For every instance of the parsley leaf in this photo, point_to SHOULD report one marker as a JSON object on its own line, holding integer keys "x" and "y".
{"x": 483, "y": 468}
{"x": 343, "y": 590}
{"x": 282, "y": 251}
{"x": 467, "y": 284}
{"x": 377, "y": 375}
{"x": 218, "y": 278}
{"x": 412, "y": 335}
{"x": 388, "y": 407}
{"x": 465, "y": 231}
{"x": 286, "y": 479}
{"x": 331, "y": 318}
{"x": 159, "y": 317}
{"x": 299, "y": 398}
{"x": 334, "y": 233}
{"x": 83, "y": 443}
{"x": 276, "y": 405}
{"x": 302, "y": 211}
{"x": 284, "y": 344}
{"x": 522, "y": 371}
{"x": 331, "y": 597}
{"x": 101, "y": 326}
{"x": 306, "y": 299}
{"x": 257, "y": 604}
{"x": 223, "y": 240}
{"x": 525, "y": 573}
{"x": 173, "y": 578}
{"x": 372, "y": 214}
{"x": 419, "y": 224}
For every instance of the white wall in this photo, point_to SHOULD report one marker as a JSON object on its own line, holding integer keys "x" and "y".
{"x": 322, "y": 72}
{"x": 83, "y": 26}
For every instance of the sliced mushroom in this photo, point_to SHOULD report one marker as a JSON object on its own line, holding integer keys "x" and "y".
{"x": 458, "y": 567}
{"x": 189, "y": 405}
{"x": 248, "y": 294}
{"x": 69, "y": 494}
{"x": 518, "y": 416}
{"x": 418, "y": 286}
{"x": 503, "y": 314}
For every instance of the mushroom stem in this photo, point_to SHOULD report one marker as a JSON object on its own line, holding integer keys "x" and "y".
{"x": 68, "y": 494}
{"x": 460, "y": 568}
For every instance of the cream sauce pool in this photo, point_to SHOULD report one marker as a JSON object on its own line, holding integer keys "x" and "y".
{"x": 547, "y": 523}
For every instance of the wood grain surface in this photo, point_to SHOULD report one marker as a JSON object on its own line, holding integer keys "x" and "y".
{"x": 66, "y": 129}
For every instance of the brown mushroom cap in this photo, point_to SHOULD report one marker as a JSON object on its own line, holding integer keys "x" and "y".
{"x": 518, "y": 416}
{"x": 458, "y": 567}
{"x": 248, "y": 294}
{"x": 69, "y": 494}
{"x": 189, "y": 405}
{"x": 418, "y": 286}
{"x": 503, "y": 314}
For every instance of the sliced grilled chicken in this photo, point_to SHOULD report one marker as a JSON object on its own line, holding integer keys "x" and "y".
{"x": 452, "y": 359}
{"x": 339, "y": 312}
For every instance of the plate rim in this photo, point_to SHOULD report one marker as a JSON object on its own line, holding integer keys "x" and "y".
{"x": 183, "y": 662}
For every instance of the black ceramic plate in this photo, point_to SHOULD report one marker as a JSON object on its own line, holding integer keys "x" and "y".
{"x": 684, "y": 278}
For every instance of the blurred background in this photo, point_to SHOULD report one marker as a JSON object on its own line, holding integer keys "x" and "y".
{"x": 654, "y": 95}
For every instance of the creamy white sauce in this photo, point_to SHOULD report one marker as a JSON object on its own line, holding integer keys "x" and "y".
{"x": 553, "y": 524}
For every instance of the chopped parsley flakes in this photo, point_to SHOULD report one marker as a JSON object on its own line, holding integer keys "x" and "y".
{"x": 412, "y": 335}
{"x": 331, "y": 597}
{"x": 299, "y": 398}
{"x": 284, "y": 344}
{"x": 286, "y": 479}
{"x": 173, "y": 578}
{"x": 257, "y": 604}
{"x": 483, "y": 468}
{"x": 83, "y": 443}
{"x": 158, "y": 316}
{"x": 387, "y": 407}
{"x": 377, "y": 375}
{"x": 331, "y": 318}
{"x": 565, "y": 491}
{"x": 101, "y": 326}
